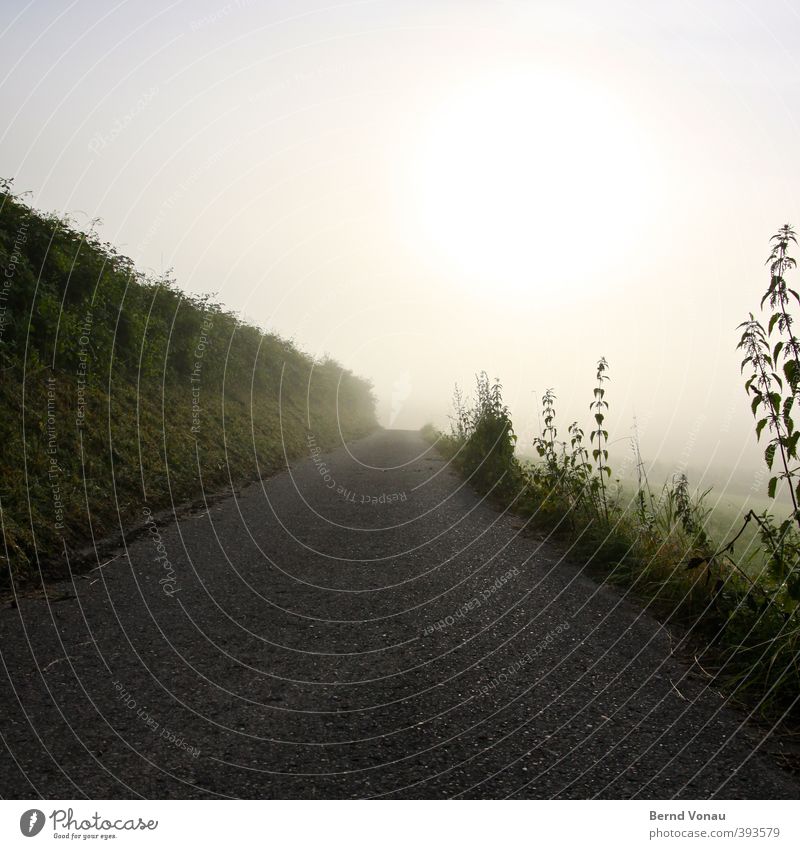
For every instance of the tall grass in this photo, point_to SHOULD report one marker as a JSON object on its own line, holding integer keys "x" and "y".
{"x": 737, "y": 601}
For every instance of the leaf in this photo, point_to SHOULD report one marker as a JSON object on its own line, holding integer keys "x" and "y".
{"x": 773, "y": 482}
{"x": 790, "y": 370}
{"x": 769, "y": 455}
{"x": 760, "y": 427}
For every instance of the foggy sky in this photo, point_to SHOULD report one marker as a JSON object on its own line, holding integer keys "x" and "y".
{"x": 278, "y": 154}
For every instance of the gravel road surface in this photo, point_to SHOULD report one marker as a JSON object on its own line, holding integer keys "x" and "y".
{"x": 361, "y": 625}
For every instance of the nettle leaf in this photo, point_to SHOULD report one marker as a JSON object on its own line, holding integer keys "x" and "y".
{"x": 756, "y": 401}
{"x": 791, "y": 372}
{"x": 759, "y": 427}
{"x": 769, "y": 455}
{"x": 777, "y": 350}
{"x": 773, "y": 482}
{"x": 598, "y": 417}
{"x": 772, "y": 322}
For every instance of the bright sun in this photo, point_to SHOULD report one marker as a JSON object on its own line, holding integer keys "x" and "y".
{"x": 530, "y": 181}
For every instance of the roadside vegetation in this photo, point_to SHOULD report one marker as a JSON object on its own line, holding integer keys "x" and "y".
{"x": 120, "y": 393}
{"x": 736, "y": 598}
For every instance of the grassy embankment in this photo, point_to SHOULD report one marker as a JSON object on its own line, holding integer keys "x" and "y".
{"x": 121, "y": 393}
{"x": 736, "y": 596}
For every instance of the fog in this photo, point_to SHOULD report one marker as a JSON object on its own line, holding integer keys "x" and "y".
{"x": 424, "y": 190}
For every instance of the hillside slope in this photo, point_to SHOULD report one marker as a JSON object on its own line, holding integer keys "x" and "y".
{"x": 123, "y": 396}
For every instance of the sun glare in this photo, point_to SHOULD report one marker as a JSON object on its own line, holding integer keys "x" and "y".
{"x": 525, "y": 181}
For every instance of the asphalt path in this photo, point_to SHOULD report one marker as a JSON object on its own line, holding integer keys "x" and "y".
{"x": 361, "y": 625}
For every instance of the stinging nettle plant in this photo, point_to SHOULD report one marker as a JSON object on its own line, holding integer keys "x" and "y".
{"x": 600, "y": 454}
{"x": 768, "y": 352}
{"x": 772, "y": 355}
{"x": 545, "y": 444}
{"x": 567, "y": 472}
